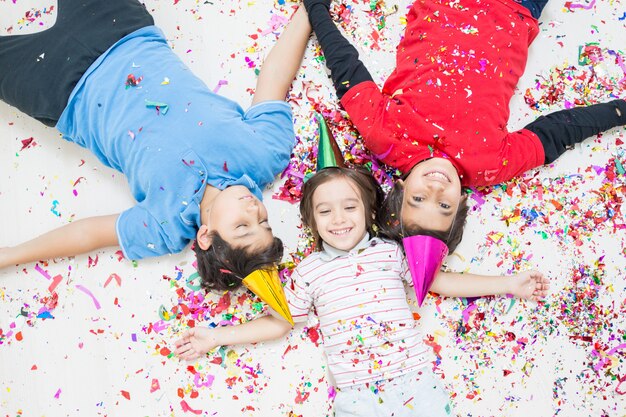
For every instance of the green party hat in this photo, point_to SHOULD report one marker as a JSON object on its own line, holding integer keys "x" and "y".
{"x": 328, "y": 152}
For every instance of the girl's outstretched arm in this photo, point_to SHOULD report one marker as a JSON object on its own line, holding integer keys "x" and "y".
{"x": 283, "y": 61}
{"x": 197, "y": 341}
{"x": 341, "y": 57}
{"x": 529, "y": 285}
{"x": 78, "y": 237}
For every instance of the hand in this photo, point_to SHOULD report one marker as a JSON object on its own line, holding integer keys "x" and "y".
{"x": 530, "y": 285}
{"x": 195, "y": 343}
{"x": 308, "y": 4}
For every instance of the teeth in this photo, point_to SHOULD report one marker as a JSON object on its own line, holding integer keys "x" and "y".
{"x": 437, "y": 175}
{"x": 340, "y": 232}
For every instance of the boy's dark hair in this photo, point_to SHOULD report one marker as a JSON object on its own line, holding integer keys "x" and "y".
{"x": 371, "y": 194}
{"x": 391, "y": 223}
{"x": 223, "y": 267}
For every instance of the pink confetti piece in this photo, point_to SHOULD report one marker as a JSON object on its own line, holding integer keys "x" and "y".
{"x": 207, "y": 383}
{"x": 478, "y": 198}
{"x": 42, "y": 272}
{"x": 467, "y": 311}
{"x": 55, "y": 281}
{"x": 619, "y": 389}
{"x": 580, "y": 5}
{"x": 610, "y": 352}
{"x": 58, "y": 394}
{"x": 155, "y": 386}
{"x": 219, "y": 85}
{"x": 275, "y": 22}
{"x": 113, "y": 277}
{"x": 159, "y": 326}
{"x": 188, "y": 409}
{"x": 89, "y": 293}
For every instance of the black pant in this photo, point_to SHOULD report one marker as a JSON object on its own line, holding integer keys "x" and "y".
{"x": 39, "y": 71}
{"x": 560, "y": 130}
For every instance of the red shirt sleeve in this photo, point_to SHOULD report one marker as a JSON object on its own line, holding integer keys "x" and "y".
{"x": 520, "y": 151}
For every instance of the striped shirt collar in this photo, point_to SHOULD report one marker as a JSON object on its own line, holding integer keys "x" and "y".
{"x": 330, "y": 253}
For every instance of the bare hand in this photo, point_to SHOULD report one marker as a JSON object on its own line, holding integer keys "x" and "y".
{"x": 530, "y": 285}
{"x": 195, "y": 343}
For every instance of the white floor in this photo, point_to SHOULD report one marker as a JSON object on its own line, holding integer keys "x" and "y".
{"x": 74, "y": 355}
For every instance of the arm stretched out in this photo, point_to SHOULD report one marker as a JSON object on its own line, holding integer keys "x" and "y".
{"x": 72, "y": 239}
{"x": 529, "y": 285}
{"x": 197, "y": 341}
{"x": 341, "y": 57}
{"x": 282, "y": 63}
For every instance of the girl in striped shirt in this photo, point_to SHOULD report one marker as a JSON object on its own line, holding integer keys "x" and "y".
{"x": 355, "y": 283}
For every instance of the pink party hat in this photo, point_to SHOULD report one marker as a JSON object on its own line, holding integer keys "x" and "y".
{"x": 424, "y": 254}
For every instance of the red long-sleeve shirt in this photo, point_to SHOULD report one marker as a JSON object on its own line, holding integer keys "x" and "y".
{"x": 457, "y": 68}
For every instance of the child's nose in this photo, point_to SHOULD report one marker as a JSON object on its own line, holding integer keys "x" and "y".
{"x": 436, "y": 186}
{"x": 338, "y": 218}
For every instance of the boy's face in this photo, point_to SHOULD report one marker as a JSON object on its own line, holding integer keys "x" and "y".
{"x": 240, "y": 218}
{"x": 432, "y": 194}
{"x": 339, "y": 213}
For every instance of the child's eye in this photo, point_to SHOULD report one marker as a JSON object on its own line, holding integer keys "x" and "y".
{"x": 444, "y": 205}
{"x": 263, "y": 221}
{"x": 350, "y": 208}
{"x": 239, "y": 226}
{"x": 418, "y": 199}
{"x": 324, "y": 211}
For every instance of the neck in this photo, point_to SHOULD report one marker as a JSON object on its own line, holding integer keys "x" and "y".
{"x": 206, "y": 203}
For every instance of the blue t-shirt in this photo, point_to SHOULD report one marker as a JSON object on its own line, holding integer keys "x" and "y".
{"x": 168, "y": 154}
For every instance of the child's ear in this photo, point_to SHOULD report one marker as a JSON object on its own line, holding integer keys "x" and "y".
{"x": 400, "y": 182}
{"x": 204, "y": 238}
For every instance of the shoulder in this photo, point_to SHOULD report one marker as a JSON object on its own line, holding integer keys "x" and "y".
{"x": 308, "y": 264}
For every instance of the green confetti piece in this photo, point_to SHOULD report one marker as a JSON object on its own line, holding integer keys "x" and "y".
{"x": 164, "y": 314}
{"x": 193, "y": 282}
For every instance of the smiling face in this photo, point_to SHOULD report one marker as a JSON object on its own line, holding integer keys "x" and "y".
{"x": 239, "y": 218}
{"x": 432, "y": 194}
{"x": 339, "y": 213}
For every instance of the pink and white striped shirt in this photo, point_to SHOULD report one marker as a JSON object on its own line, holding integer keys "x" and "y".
{"x": 368, "y": 329}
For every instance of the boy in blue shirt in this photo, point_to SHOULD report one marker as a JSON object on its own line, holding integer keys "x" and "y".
{"x": 198, "y": 166}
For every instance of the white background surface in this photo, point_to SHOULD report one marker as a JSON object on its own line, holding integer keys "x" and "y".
{"x": 510, "y": 362}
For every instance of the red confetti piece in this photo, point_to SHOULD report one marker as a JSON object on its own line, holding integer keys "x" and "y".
{"x": 55, "y": 281}
{"x": 26, "y": 143}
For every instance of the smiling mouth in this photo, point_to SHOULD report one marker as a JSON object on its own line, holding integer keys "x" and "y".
{"x": 246, "y": 197}
{"x": 340, "y": 232}
{"x": 438, "y": 175}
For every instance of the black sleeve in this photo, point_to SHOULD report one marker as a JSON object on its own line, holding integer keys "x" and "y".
{"x": 563, "y": 129}
{"x": 341, "y": 57}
